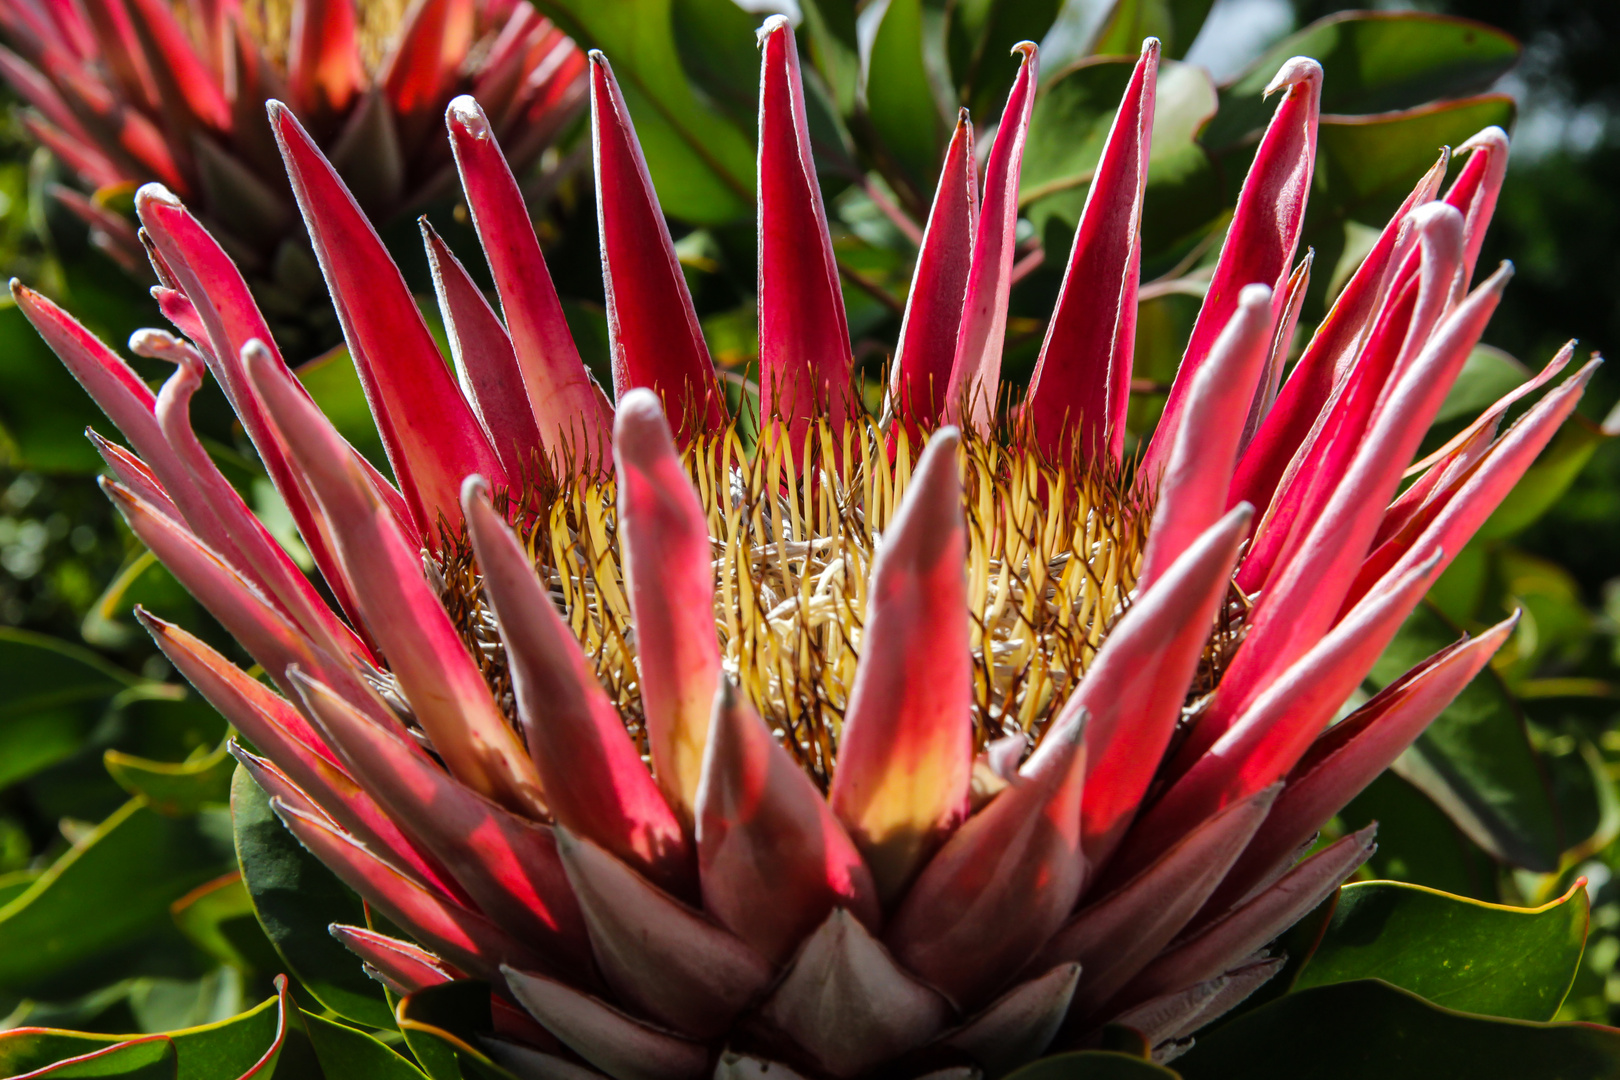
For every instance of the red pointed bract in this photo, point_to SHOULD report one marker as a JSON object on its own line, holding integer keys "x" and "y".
{"x": 1294, "y": 611}
{"x": 971, "y": 395}
{"x": 573, "y": 415}
{"x": 1192, "y": 490}
{"x": 927, "y": 345}
{"x": 134, "y": 474}
{"x": 433, "y": 40}
{"x": 1274, "y": 732}
{"x": 485, "y": 362}
{"x": 1081, "y": 385}
{"x": 507, "y": 865}
{"x": 1449, "y": 521}
{"x": 606, "y": 1037}
{"x": 1327, "y": 355}
{"x": 653, "y": 329}
{"x": 1226, "y": 943}
{"x": 1004, "y": 882}
{"x": 1136, "y": 686}
{"x": 444, "y": 686}
{"x": 1260, "y": 242}
{"x": 408, "y": 968}
{"x": 805, "y": 363}
{"x": 432, "y": 438}
{"x": 1406, "y": 323}
{"x": 594, "y": 780}
{"x": 236, "y": 531}
{"x": 1352, "y": 753}
{"x": 670, "y": 579}
{"x": 1117, "y": 936}
{"x": 459, "y": 934}
{"x": 907, "y": 749}
{"x": 773, "y": 858}
{"x": 1493, "y": 415}
{"x": 1474, "y": 194}
{"x": 245, "y": 612}
{"x": 670, "y": 961}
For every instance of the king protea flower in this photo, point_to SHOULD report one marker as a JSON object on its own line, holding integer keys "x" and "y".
{"x": 893, "y": 747}
{"x": 129, "y": 91}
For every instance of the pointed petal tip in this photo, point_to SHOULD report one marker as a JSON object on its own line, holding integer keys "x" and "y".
{"x": 474, "y": 489}
{"x": 1255, "y": 298}
{"x": 156, "y": 194}
{"x": 640, "y": 431}
{"x": 1028, "y": 48}
{"x": 772, "y": 25}
{"x": 160, "y": 627}
{"x": 597, "y": 58}
{"x": 1296, "y": 70}
{"x": 1489, "y": 138}
{"x": 1436, "y": 215}
{"x": 465, "y": 115}
{"x": 1151, "y": 46}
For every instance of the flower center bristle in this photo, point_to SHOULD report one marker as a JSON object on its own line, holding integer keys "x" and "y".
{"x": 1053, "y": 554}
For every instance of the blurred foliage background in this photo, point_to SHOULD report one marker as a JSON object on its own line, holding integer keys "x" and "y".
{"x": 1510, "y": 797}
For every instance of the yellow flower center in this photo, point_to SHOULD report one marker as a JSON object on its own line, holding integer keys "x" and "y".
{"x": 1053, "y": 555}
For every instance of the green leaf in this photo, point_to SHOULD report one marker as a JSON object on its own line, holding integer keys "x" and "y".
{"x": 1475, "y": 761}
{"x": 61, "y": 1055}
{"x": 345, "y": 1051}
{"x": 1356, "y": 1030}
{"x": 701, "y": 163}
{"x": 1417, "y": 842}
{"x": 441, "y": 1025}
{"x": 830, "y": 42}
{"x": 718, "y": 50}
{"x": 1366, "y": 166}
{"x": 1093, "y": 1065}
{"x": 51, "y": 695}
{"x": 899, "y": 98}
{"x": 218, "y": 918}
{"x": 109, "y": 892}
{"x": 1554, "y": 625}
{"x": 1174, "y": 22}
{"x": 243, "y": 1046}
{"x": 1375, "y": 62}
{"x": 174, "y": 788}
{"x": 296, "y": 899}
{"x": 1464, "y": 954}
{"x": 980, "y": 36}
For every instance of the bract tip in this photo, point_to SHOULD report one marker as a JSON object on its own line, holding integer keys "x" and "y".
{"x": 1298, "y": 69}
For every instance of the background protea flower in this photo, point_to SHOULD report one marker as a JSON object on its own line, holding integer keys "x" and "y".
{"x": 964, "y": 737}
{"x": 129, "y": 91}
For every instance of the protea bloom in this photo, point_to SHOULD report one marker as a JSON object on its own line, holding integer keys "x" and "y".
{"x": 129, "y": 91}
{"x": 890, "y": 748}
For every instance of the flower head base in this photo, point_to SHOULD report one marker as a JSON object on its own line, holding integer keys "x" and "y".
{"x": 128, "y": 91}
{"x": 885, "y": 747}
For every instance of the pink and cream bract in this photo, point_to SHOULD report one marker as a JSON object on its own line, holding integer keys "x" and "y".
{"x": 129, "y": 91}
{"x": 872, "y": 747}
